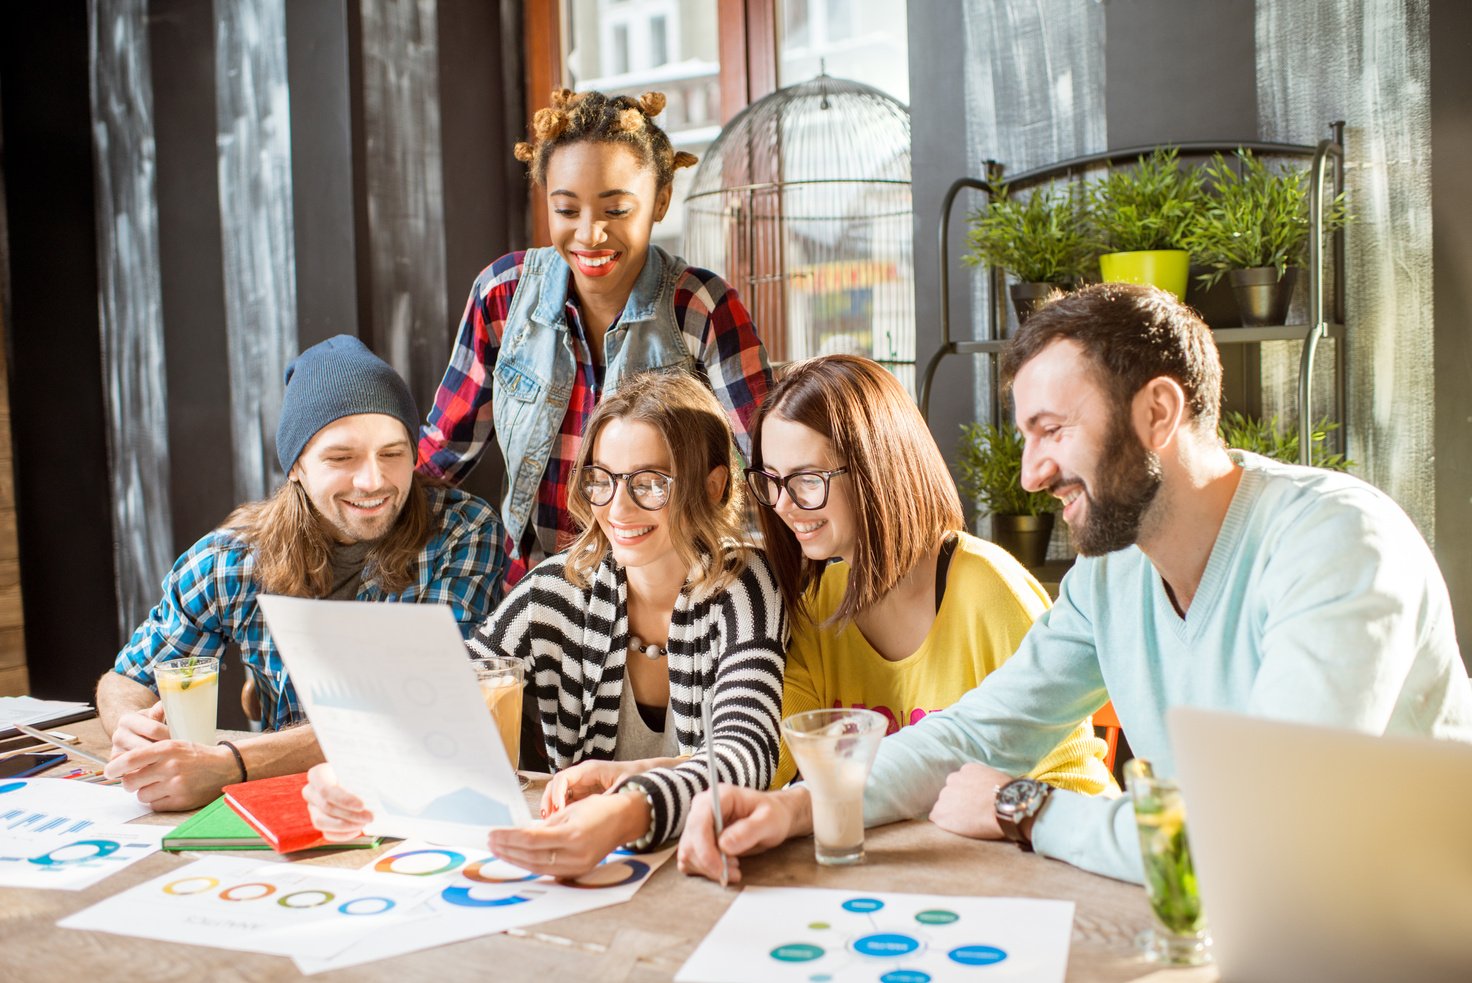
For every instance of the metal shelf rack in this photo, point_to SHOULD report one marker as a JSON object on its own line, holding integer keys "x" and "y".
{"x": 1326, "y": 313}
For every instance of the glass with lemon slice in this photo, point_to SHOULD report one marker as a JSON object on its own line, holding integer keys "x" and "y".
{"x": 1180, "y": 936}
{"x": 190, "y": 689}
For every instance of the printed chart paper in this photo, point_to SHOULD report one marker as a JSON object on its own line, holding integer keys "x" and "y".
{"x": 41, "y": 805}
{"x": 475, "y": 894}
{"x": 27, "y": 709}
{"x": 286, "y": 909}
{"x": 393, "y": 701}
{"x": 70, "y": 861}
{"x": 804, "y": 934}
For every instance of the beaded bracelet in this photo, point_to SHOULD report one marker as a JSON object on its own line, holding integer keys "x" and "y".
{"x": 647, "y": 840}
{"x": 238, "y": 759}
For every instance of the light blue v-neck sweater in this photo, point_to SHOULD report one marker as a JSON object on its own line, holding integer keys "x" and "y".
{"x": 1320, "y": 603}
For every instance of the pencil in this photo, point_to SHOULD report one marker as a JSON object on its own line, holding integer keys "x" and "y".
{"x": 715, "y": 786}
{"x": 42, "y": 736}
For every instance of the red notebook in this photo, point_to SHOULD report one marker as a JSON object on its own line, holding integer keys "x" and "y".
{"x": 274, "y": 807}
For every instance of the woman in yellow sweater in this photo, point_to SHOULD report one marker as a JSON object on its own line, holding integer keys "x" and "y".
{"x": 917, "y": 611}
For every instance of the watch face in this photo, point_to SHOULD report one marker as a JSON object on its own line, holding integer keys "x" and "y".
{"x": 1021, "y": 797}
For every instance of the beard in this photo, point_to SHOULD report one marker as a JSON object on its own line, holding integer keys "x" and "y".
{"x": 1128, "y": 479}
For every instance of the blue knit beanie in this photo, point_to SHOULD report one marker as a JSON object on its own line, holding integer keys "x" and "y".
{"x": 336, "y": 378}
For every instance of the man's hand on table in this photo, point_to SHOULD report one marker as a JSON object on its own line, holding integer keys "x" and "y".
{"x": 751, "y": 821}
{"x": 172, "y": 776}
{"x": 968, "y": 803}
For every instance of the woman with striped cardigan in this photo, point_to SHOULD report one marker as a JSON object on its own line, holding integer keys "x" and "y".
{"x": 656, "y": 608}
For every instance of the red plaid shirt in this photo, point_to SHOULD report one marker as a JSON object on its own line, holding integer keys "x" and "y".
{"x": 460, "y": 429}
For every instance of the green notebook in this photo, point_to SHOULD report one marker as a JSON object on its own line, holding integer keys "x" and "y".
{"x": 218, "y": 827}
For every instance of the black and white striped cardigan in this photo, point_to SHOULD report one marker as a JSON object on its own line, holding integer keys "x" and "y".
{"x": 574, "y": 642}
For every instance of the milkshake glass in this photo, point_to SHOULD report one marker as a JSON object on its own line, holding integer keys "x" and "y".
{"x": 834, "y": 750}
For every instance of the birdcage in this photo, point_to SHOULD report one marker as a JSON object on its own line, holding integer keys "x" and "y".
{"x": 803, "y": 204}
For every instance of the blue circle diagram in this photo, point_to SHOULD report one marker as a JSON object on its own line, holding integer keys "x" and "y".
{"x": 99, "y": 848}
{"x": 863, "y": 905}
{"x": 885, "y": 945}
{"x": 462, "y": 897}
{"x": 977, "y": 955}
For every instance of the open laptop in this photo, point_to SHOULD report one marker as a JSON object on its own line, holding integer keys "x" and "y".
{"x": 1326, "y": 854}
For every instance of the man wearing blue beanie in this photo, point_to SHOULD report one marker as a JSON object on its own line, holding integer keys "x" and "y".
{"x": 353, "y": 521}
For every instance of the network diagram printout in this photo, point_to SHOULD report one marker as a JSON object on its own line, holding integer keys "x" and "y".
{"x": 393, "y": 700}
{"x": 818, "y": 935}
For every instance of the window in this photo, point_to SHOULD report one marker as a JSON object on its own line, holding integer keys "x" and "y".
{"x": 659, "y": 52}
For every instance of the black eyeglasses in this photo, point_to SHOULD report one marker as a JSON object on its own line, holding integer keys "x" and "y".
{"x": 649, "y": 489}
{"x": 807, "y": 489}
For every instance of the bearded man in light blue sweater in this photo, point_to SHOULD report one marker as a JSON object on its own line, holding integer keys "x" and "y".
{"x": 1206, "y": 577}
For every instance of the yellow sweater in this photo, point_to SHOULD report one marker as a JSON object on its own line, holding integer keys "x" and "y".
{"x": 989, "y": 604}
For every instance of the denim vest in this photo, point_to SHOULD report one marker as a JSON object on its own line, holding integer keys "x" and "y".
{"x": 533, "y": 377}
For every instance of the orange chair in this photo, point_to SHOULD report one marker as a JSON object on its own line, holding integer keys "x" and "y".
{"x": 1106, "y": 718}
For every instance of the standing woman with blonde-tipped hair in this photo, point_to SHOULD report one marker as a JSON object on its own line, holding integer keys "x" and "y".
{"x": 548, "y": 331}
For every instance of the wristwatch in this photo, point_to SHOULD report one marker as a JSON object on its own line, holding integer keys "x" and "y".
{"x": 1018, "y": 801}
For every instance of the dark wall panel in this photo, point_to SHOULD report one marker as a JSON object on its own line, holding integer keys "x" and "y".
{"x": 320, "y": 38}
{"x": 202, "y": 483}
{"x": 481, "y": 114}
{"x": 1180, "y": 71}
{"x": 57, "y": 402}
{"x": 1451, "y": 245}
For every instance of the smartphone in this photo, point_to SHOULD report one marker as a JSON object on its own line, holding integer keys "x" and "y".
{"x": 21, "y": 765}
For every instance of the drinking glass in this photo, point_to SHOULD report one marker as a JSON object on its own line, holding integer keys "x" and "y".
{"x": 1179, "y": 936}
{"x": 190, "y": 690}
{"x": 501, "y": 679}
{"x": 834, "y": 750}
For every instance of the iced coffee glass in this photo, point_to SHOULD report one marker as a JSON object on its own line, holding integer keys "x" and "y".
{"x": 190, "y": 690}
{"x": 834, "y": 750}
{"x": 500, "y": 681}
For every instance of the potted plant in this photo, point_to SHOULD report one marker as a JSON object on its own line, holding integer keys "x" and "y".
{"x": 1268, "y": 438}
{"x": 1142, "y": 220}
{"x": 1040, "y": 240}
{"x": 990, "y": 467}
{"x": 1254, "y": 229}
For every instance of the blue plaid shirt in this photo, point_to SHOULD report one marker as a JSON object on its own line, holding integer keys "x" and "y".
{"x": 209, "y": 600}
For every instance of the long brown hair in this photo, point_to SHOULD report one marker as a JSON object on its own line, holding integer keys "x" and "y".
{"x": 293, "y": 551}
{"x": 704, "y": 531}
{"x": 903, "y": 497}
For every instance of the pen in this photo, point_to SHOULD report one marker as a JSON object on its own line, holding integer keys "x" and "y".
{"x": 41, "y": 735}
{"x": 715, "y": 787}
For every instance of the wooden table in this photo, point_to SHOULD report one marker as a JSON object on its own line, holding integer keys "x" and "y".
{"x": 648, "y": 938}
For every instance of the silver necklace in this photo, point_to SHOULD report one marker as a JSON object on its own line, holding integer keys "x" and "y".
{"x": 650, "y": 651}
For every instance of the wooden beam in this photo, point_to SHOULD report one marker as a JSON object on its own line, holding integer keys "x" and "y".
{"x": 542, "y": 22}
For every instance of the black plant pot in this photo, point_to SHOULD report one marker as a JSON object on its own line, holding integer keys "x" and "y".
{"x": 1263, "y": 298}
{"x": 1024, "y": 536}
{"x": 1028, "y": 297}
